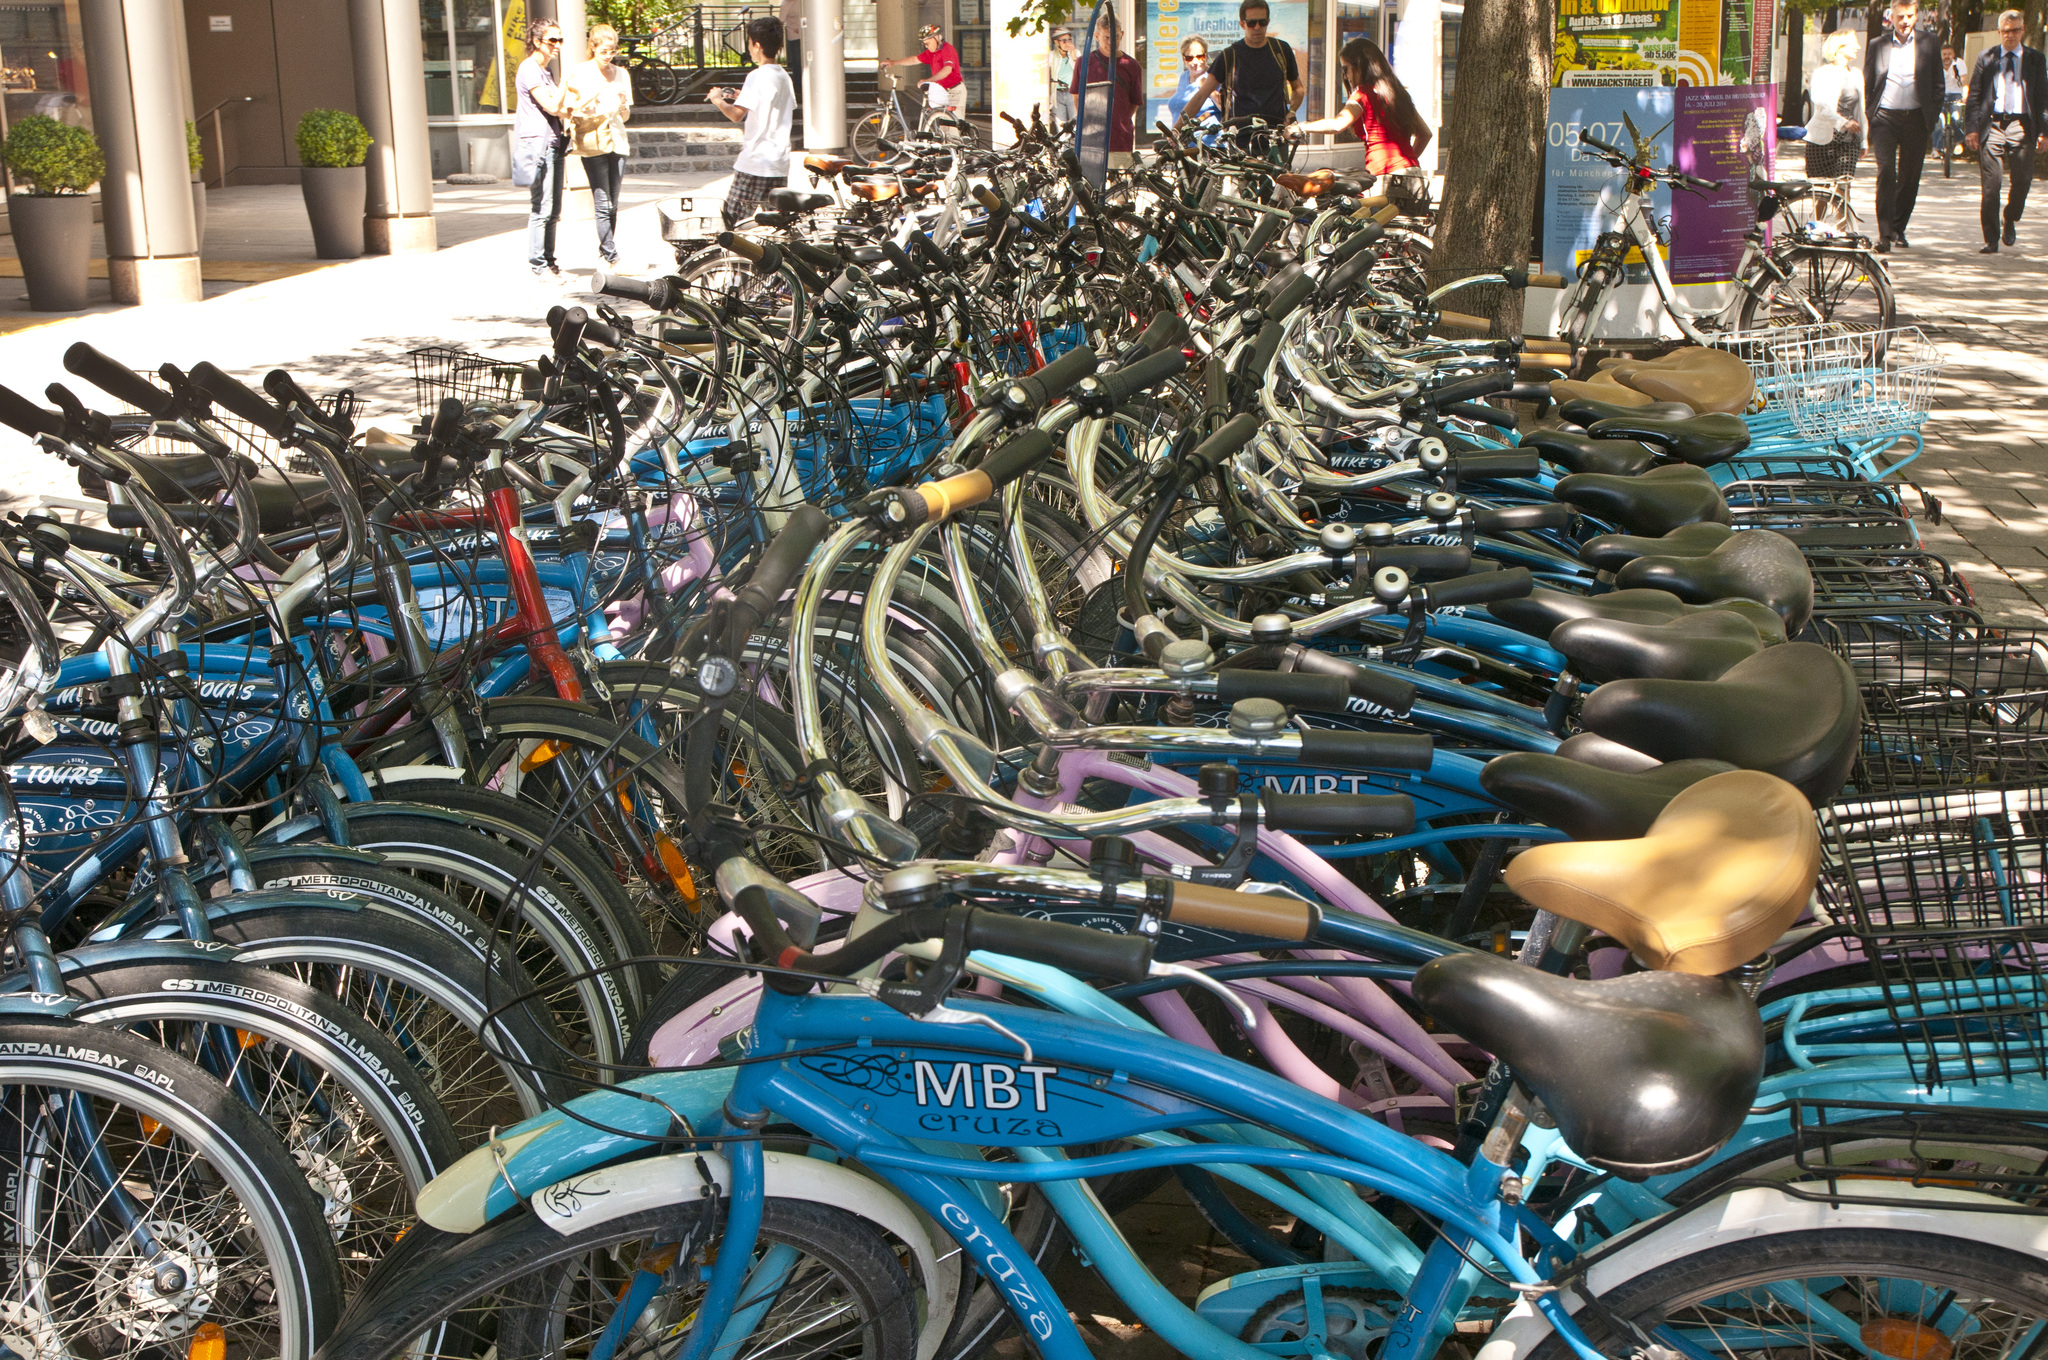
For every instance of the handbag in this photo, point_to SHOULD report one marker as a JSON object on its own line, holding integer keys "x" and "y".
{"x": 600, "y": 134}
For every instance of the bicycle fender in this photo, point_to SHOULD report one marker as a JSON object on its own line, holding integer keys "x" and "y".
{"x": 586, "y": 1201}
{"x": 1758, "y": 1212}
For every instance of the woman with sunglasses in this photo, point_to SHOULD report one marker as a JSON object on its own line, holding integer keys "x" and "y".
{"x": 539, "y": 144}
{"x": 1194, "y": 64}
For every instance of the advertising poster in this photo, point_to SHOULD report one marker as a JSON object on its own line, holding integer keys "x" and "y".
{"x": 1726, "y": 133}
{"x": 1638, "y": 42}
{"x": 1574, "y": 180}
{"x": 1215, "y": 22}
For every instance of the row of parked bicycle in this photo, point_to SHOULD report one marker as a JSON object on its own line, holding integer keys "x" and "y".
{"x": 763, "y": 830}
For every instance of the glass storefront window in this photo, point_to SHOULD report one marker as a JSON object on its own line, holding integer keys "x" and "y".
{"x": 42, "y": 51}
{"x": 469, "y": 57}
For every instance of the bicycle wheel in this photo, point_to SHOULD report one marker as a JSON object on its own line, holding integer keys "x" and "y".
{"x": 868, "y": 134}
{"x": 1821, "y": 284}
{"x": 654, "y": 81}
{"x": 1945, "y": 135}
{"x": 362, "y": 1124}
{"x": 517, "y": 1289}
{"x": 97, "y": 1124}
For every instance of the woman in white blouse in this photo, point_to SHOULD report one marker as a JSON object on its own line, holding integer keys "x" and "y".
{"x": 599, "y": 98}
{"x": 1834, "y": 130}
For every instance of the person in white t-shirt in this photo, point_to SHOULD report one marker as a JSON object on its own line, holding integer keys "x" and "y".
{"x": 765, "y": 104}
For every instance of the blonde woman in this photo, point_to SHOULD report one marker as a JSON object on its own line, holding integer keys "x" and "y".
{"x": 1834, "y": 130}
{"x": 599, "y": 97}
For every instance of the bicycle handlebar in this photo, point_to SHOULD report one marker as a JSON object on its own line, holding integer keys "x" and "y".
{"x": 118, "y": 381}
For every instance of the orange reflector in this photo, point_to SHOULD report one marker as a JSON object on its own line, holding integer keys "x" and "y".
{"x": 678, "y": 868}
{"x": 154, "y": 1133}
{"x": 208, "y": 1342}
{"x": 1906, "y": 1339}
{"x": 539, "y": 756}
{"x": 248, "y": 1038}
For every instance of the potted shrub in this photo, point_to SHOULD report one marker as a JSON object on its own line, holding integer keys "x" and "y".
{"x": 52, "y": 217}
{"x": 332, "y": 148}
{"x": 197, "y": 160}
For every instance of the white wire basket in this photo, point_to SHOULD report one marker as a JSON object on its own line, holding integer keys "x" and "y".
{"x": 1841, "y": 384}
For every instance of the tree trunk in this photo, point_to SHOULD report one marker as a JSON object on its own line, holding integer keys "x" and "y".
{"x": 1497, "y": 125}
{"x": 1790, "y": 97}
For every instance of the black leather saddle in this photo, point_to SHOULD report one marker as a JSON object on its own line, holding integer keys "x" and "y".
{"x": 1583, "y": 411}
{"x": 173, "y": 477}
{"x": 1755, "y": 564}
{"x": 1701, "y": 441}
{"x": 284, "y": 500}
{"x": 1701, "y": 645}
{"x": 1575, "y": 452}
{"x": 1651, "y": 505}
{"x": 1588, "y": 802}
{"x": 796, "y": 201}
{"x": 1793, "y": 711}
{"x": 1541, "y": 611}
{"x": 1612, "y": 552}
{"x": 1644, "y": 1074}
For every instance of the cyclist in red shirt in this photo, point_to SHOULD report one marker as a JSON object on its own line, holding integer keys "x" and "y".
{"x": 942, "y": 81}
{"x": 1379, "y": 111}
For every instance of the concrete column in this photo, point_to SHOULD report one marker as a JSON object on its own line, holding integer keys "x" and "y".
{"x": 391, "y": 99}
{"x": 824, "y": 40}
{"x": 1418, "y": 59}
{"x": 895, "y": 36}
{"x": 131, "y": 48}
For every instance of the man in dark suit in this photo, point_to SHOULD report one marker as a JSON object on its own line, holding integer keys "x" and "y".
{"x": 1902, "y": 85}
{"x": 2005, "y": 122}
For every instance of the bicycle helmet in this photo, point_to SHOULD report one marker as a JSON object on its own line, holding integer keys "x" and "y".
{"x": 931, "y": 31}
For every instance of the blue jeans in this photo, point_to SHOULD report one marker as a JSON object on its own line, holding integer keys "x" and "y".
{"x": 546, "y": 207}
{"x": 604, "y": 172}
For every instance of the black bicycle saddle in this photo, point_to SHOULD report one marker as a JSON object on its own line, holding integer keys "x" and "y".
{"x": 1651, "y": 505}
{"x": 1541, "y": 611}
{"x": 1700, "y": 645}
{"x": 1644, "y": 1074}
{"x": 1701, "y": 441}
{"x": 1755, "y": 564}
{"x": 1612, "y": 552}
{"x": 1587, "y": 802}
{"x": 1584, "y": 411}
{"x": 173, "y": 477}
{"x": 796, "y": 201}
{"x": 1575, "y": 452}
{"x": 1792, "y": 711}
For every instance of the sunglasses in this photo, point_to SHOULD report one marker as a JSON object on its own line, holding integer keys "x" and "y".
{"x": 1253, "y": 23}
{"x": 555, "y": 41}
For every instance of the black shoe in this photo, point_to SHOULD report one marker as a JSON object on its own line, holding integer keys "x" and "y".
{"x": 1899, "y": 239}
{"x": 1884, "y": 247}
{"x": 2012, "y": 233}
{"x": 1988, "y": 250}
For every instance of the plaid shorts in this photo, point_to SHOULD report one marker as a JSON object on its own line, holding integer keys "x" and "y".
{"x": 747, "y": 194}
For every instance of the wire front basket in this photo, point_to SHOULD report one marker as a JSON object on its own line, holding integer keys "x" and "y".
{"x": 1857, "y": 1151}
{"x": 439, "y": 371}
{"x": 1848, "y": 385}
{"x": 1951, "y": 713}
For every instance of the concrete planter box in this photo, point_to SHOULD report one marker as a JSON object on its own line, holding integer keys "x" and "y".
{"x": 53, "y": 236}
{"x": 335, "y": 196}
{"x": 199, "y": 214}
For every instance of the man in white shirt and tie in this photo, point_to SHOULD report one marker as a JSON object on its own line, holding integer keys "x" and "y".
{"x": 1902, "y": 80}
{"x": 2003, "y": 124}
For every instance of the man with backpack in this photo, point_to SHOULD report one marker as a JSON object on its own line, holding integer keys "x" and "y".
{"x": 1257, "y": 73}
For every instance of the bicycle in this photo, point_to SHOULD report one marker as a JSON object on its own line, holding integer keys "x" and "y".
{"x": 654, "y": 80}
{"x": 1948, "y": 133}
{"x": 890, "y": 120}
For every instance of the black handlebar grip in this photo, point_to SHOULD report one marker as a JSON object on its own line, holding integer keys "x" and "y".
{"x": 1388, "y": 692}
{"x": 1470, "y": 389}
{"x": 1485, "y": 588}
{"x": 1293, "y": 295}
{"x": 598, "y": 332}
{"x": 1349, "y": 273}
{"x": 27, "y": 417}
{"x": 1048, "y": 384}
{"x": 1142, "y": 376}
{"x": 1296, "y": 689}
{"x": 893, "y": 253}
{"x": 1479, "y": 467}
{"x": 285, "y": 390}
{"x": 788, "y": 551}
{"x": 1017, "y": 456}
{"x": 1339, "y": 814}
{"x": 1422, "y": 561}
{"x": 240, "y": 401}
{"x": 1590, "y": 140}
{"x": 569, "y": 334}
{"x": 826, "y": 262}
{"x": 1486, "y": 415}
{"x": 1234, "y": 435}
{"x": 1357, "y": 241}
{"x": 54, "y": 536}
{"x": 554, "y": 318}
{"x": 117, "y": 381}
{"x": 1264, "y": 348}
{"x": 922, "y": 244}
{"x": 447, "y": 420}
{"x": 1489, "y": 521}
{"x": 1366, "y": 750}
{"x": 610, "y": 285}
{"x": 1167, "y": 331}
{"x": 1263, "y": 234}
{"x": 1075, "y": 949}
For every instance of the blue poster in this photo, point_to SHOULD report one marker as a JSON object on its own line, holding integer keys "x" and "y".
{"x": 1574, "y": 180}
{"x": 1215, "y": 23}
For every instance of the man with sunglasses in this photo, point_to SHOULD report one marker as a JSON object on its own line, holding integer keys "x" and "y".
{"x": 539, "y": 144}
{"x": 1257, "y": 73}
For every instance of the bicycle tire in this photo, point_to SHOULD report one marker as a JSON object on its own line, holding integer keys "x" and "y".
{"x": 373, "y": 960}
{"x": 654, "y": 81}
{"x": 254, "y": 1192}
{"x": 459, "y": 1284}
{"x": 1826, "y": 278}
{"x": 867, "y": 135}
{"x": 1740, "y": 1275}
{"x": 366, "y": 1127}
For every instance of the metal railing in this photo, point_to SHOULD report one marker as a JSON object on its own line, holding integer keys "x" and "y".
{"x": 220, "y": 146}
{"x": 709, "y": 36}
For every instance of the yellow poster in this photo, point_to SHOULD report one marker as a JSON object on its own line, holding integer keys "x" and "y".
{"x": 514, "y": 52}
{"x": 1637, "y": 42}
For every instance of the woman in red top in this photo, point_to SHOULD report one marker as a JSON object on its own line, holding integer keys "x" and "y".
{"x": 1108, "y": 66}
{"x": 1379, "y": 111}
{"x": 942, "y": 80}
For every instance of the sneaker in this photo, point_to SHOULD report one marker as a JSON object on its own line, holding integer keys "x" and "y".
{"x": 540, "y": 271}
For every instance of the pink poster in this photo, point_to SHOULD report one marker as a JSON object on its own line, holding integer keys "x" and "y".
{"x": 1727, "y": 133}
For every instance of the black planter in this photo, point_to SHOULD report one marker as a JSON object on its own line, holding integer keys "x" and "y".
{"x": 53, "y": 236}
{"x": 199, "y": 215}
{"x": 335, "y": 196}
